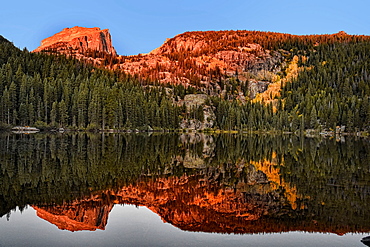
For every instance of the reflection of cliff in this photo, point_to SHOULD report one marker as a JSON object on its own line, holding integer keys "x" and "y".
{"x": 196, "y": 203}
{"x": 189, "y": 202}
{"x": 87, "y": 214}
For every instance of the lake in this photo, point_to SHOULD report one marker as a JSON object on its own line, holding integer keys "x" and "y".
{"x": 82, "y": 189}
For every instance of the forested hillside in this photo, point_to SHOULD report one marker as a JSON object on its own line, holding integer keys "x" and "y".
{"x": 330, "y": 85}
{"x": 55, "y": 91}
{"x": 335, "y": 87}
{"x": 332, "y": 89}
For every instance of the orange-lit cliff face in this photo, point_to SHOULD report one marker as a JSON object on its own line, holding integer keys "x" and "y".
{"x": 201, "y": 58}
{"x": 79, "y": 41}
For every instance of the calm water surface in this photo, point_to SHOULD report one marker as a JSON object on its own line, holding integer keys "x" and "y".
{"x": 184, "y": 190}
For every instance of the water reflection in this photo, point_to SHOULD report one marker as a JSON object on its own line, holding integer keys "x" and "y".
{"x": 366, "y": 241}
{"x": 223, "y": 183}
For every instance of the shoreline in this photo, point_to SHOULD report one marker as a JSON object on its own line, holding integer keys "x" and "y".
{"x": 307, "y": 133}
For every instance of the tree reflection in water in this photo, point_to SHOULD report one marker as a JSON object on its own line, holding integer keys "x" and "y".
{"x": 221, "y": 183}
{"x": 366, "y": 241}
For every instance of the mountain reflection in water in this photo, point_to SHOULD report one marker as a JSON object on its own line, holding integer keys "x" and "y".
{"x": 223, "y": 183}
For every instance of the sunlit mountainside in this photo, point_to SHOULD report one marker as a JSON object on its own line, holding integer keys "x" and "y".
{"x": 243, "y": 80}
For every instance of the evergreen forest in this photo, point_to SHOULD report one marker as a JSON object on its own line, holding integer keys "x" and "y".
{"x": 55, "y": 91}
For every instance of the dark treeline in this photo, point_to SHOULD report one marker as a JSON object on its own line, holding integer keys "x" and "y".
{"x": 55, "y": 91}
{"x": 249, "y": 116}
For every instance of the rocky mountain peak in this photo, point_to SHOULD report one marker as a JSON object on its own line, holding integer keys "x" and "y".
{"x": 79, "y": 40}
{"x": 341, "y": 33}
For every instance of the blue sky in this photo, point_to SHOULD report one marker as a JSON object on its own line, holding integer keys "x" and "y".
{"x": 139, "y": 26}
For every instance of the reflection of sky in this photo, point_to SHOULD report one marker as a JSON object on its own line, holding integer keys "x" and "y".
{"x": 131, "y": 226}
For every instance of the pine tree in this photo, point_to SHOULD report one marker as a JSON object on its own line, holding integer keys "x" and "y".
{"x": 63, "y": 114}
{"x": 313, "y": 118}
{"x": 23, "y": 114}
{"x": 54, "y": 114}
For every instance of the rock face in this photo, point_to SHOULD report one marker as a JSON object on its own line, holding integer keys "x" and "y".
{"x": 203, "y": 59}
{"x": 192, "y": 101}
{"x": 79, "y": 40}
{"x": 89, "y": 215}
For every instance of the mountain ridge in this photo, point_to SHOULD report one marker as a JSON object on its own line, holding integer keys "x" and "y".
{"x": 197, "y": 58}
